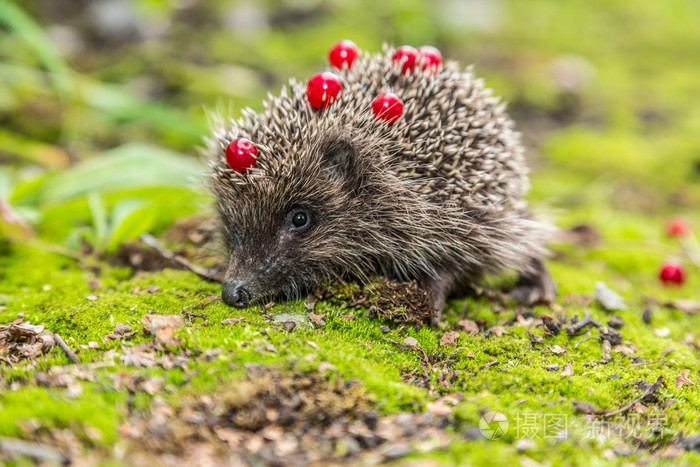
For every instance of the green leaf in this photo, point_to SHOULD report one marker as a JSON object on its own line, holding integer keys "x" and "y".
{"x": 131, "y": 166}
{"x": 130, "y": 218}
{"x": 25, "y": 27}
{"x": 98, "y": 213}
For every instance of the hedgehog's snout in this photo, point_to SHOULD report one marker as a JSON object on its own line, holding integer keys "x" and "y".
{"x": 234, "y": 294}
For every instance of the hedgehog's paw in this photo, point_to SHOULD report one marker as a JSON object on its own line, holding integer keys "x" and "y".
{"x": 535, "y": 286}
{"x": 439, "y": 287}
{"x": 434, "y": 320}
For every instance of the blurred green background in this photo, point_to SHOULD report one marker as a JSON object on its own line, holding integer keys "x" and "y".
{"x": 103, "y": 103}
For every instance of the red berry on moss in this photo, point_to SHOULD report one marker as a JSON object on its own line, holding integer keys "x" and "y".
{"x": 405, "y": 55}
{"x": 241, "y": 154}
{"x": 672, "y": 274}
{"x": 678, "y": 228}
{"x": 343, "y": 54}
{"x": 323, "y": 89}
{"x": 387, "y": 107}
{"x": 431, "y": 57}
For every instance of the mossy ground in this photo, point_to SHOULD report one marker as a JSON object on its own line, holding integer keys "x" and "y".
{"x": 519, "y": 386}
{"x": 617, "y": 152}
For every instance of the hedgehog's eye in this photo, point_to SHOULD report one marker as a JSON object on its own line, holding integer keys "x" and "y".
{"x": 299, "y": 220}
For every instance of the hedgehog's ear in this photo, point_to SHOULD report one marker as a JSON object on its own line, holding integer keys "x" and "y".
{"x": 339, "y": 157}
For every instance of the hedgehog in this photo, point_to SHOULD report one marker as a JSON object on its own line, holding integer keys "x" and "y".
{"x": 394, "y": 164}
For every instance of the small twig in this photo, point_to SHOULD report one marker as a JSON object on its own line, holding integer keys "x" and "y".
{"x": 190, "y": 316}
{"x": 573, "y": 329}
{"x": 650, "y": 390}
{"x": 66, "y": 350}
{"x": 13, "y": 447}
{"x": 178, "y": 260}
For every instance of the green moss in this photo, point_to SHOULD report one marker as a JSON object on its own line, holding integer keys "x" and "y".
{"x": 519, "y": 386}
{"x": 93, "y": 416}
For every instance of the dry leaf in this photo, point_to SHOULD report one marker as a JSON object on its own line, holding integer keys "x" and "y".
{"x": 323, "y": 366}
{"x": 557, "y": 349}
{"x": 685, "y": 305}
{"x": 568, "y": 370}
{"x": 313, "y": 344}
{"x": 152, "y": 386}
{"x": 682, "y": 379}
{"x": 469, "y": 326}
{"x": 528, "y": 322}
{"x": 449, "y": 338}
{"x": 498, "y": 330}
{"x": 232, "y": 320}
{"x": 122, "y": 328}
{"x": 623, "y": 349}
{"x": 164, "y": 327}
{"x": 410, "y": 341}
{"x": 671, "y": 452}
{"x": 317, "y": 319}
{"x": 639, "y": 407}
{"x": 439, "y": 408}
{"x": 444, "y": 406}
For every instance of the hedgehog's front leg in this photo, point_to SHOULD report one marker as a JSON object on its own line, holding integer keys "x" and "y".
{"x": 440, "y": 287}
{"x": 535, "y": 284}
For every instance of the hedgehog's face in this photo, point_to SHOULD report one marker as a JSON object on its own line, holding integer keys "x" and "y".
{"x": 286, "y": 234}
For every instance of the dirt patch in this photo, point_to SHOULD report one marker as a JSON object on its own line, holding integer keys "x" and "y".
{"x": 402, "y": 302}
{"x": 276, "y": 417}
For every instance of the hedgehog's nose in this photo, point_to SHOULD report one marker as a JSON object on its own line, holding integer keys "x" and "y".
{"x": 234, "y": 294}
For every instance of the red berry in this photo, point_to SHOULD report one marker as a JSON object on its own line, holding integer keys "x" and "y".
{"x": 672, "y": 274}
{"x": 387, "y": 107}
{"x": 405, "y": 55}
{"x": 323, "y": 89}
{"x": 241, "y": 154}
{"x": 678, "y": 228}
{"x": 343, "y": 54}
{"x": 431, "y": 57}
